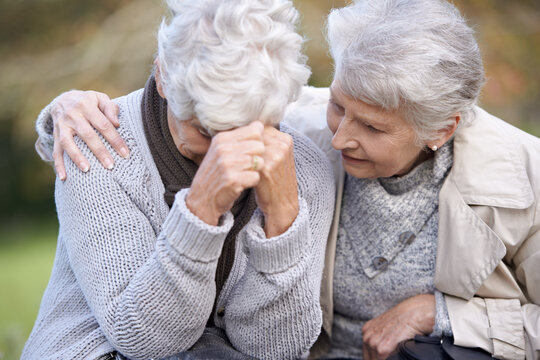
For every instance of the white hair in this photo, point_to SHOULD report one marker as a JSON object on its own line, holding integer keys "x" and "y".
{"x": 415, "y": 56}
{"x": 231, "y": 62}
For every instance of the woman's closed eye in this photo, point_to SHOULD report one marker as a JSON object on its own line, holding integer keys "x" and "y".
{"x": 336, "y": 106}
{"x": 204, "y": 133}
{"x": 373, "y": 129}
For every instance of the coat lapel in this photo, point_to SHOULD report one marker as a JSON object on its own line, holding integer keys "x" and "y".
{"x": 487, "y": 171}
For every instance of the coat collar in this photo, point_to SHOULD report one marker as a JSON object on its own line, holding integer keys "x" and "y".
{"x": 488, "y": 169}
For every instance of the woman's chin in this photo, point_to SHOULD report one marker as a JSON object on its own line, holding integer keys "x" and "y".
{"x": 362, "y": 170}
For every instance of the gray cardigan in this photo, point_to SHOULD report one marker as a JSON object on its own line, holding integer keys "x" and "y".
{"x": 133, "y": 276}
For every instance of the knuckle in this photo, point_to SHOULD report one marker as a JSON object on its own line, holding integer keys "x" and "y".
{"x": 116, "y": 141}
{"x": 284, "y": 147}
{"x": 288, "y": 140}
{"x": 382, "y": 349}
{"x": 228, "y": 179}
{"x": 277, "y": 158}
{"x": 102, "y": 125}
{"x": 64, "y": 140}
{"x": 85, "y": 132}
{"x": 70, "y": 114}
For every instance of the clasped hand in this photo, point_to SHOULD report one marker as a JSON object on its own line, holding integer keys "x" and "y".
{"x": 252, "y": 156}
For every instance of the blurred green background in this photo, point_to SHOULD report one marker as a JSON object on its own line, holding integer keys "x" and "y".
{"x": 50, "y": 46}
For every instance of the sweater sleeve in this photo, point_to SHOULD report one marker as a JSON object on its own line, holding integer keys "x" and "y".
{"x": 151, "y": 291}
{"x": 442, "y": 325}
{"x": 44, "y": 128}
{"x": 273, "y": 311}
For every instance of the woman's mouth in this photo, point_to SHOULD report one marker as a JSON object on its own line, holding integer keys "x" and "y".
{"x": 352, "y": 160}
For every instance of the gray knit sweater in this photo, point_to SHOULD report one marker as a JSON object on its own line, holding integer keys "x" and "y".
{"x": 386, "y": 249}
{"x": 133, "y": 276}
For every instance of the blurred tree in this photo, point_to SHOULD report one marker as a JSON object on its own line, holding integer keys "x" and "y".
{"x": 49, "y": 46}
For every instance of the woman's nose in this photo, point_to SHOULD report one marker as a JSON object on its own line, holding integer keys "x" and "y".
{"x": 344, "y": 136}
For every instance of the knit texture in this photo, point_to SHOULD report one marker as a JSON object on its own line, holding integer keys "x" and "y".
{"x": 177, "y": 172}
{"x": 132, "y": 275}
{"x": 386, "y": 249}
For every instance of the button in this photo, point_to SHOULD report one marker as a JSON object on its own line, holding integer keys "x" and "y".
{"x": 407, "y": 237}
{"x": 380, "y": 263}
{"x": 221, "y": 312}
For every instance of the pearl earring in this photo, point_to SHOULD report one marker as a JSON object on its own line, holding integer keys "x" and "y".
{"x": 434, "y": 148}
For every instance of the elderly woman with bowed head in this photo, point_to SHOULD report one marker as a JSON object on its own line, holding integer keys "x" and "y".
{"x": 437, "y": 219}
{"x": 210, "y": 236}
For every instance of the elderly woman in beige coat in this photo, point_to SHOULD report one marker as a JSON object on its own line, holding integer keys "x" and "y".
{"x": 437, "y": 222}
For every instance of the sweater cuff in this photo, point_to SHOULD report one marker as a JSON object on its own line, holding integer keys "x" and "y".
{"x": 44, "y": 129}
{"x": 442, "y": 325}
{"x": 281, "y": 252}
{"x": 191, "y": 236}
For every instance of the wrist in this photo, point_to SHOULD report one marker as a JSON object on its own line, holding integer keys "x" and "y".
{"x": 428, "y": 313}
{"x": 202, "y": 209}
{"x": 278, "y": 220}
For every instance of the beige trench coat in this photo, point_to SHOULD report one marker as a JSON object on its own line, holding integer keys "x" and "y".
{"x": 488, "y": 259}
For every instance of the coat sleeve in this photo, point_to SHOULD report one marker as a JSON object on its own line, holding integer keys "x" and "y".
{"x": 274, "y": 310}
{"x": 505, "y": 327}
{"x": 44, "y": 128}
{"x": 150, "y": 291}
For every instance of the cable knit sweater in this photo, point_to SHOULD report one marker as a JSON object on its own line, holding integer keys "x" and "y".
{"x": 133, "y": 276}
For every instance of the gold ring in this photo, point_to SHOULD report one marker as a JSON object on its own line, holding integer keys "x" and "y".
{"x": 254, "y": 163}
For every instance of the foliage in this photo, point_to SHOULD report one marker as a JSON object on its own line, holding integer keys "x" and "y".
{"x": 26, "y": 257}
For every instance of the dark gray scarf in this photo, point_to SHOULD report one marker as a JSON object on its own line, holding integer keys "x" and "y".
{"x": 177, "y": 173}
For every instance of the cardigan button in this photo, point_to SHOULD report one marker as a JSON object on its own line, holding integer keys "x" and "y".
{"x": 221, "y": 312}
{"x": 380, "y": 263}
{"x": 406, "y": 237}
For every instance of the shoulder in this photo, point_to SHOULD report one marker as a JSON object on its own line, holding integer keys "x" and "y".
{"x": 496, "y": 163}
{"x": 491, "y": 130}
{"x": 130, "y": 171}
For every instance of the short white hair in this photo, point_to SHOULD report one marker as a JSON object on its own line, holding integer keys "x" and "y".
{"x": 231, "y": 62}
{"x": 418, "y": 57}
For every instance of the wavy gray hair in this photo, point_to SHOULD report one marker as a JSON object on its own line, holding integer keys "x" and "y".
{"x": 231, "y": 62}
{"x": 416, "y": 56}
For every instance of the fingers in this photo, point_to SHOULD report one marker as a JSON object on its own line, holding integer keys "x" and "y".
{"x": 253, "y": 131}
{"x": 248, "y": 179}
{"x": 108, "y": 107}
{"x": 255, "y": 163}
{"x": 98, "y": 120}
{"x": 68, "y": 145}
{"x": 77, "y": 113}
{"x": 93, "y": 141}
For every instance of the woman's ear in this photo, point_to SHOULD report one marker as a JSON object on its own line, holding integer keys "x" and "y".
{"x": 159, "y": 85}
{"x": 446, "y": 133}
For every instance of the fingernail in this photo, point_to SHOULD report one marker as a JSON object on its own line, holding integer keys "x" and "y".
{"x": 85, "y": 167}
{"x": 109, "y": 163}
{"x": 62, "y": 177}
{"x": 124, "y": 152}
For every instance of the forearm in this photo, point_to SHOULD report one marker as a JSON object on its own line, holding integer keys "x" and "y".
{"x": 274, "y": 309}
{"x": 151, "y": 297}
